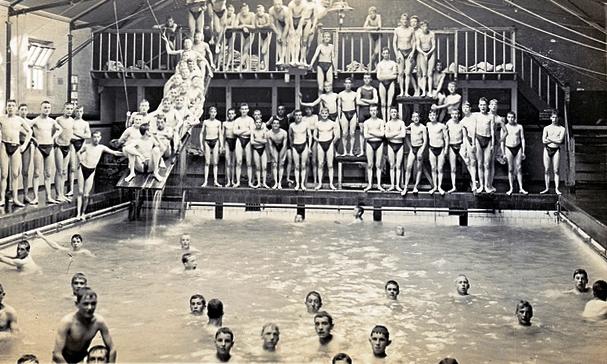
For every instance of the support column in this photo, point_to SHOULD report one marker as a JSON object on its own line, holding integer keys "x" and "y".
{"x": 228, "y": 98}
{"x": 297, "y": 90}
{"x": 301, "y": 210}
{"x": 140, "y": 95}
{"x": 218, "y": 210}
{"x": 377, "y": 214}
{"x": 9, "y": 57}
{"x": 274, "y": 100}
{"x": 70, "y": 51}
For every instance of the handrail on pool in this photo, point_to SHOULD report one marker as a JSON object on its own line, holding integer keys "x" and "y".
{"x": 60, "y": 225}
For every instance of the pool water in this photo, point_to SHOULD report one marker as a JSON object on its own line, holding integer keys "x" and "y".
{"x": 262, "y": 265}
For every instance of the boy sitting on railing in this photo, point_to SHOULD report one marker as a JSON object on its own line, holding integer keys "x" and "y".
{"x": 373, "y": 23}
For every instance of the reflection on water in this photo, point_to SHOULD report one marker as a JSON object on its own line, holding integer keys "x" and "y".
{"x": 262, "y": 268}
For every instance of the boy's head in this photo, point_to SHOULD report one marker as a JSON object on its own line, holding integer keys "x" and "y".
{"x": 86, "y": 301}
{"x": 224, "y": 340}
{"x": 482, "y": 104}
{"x": 324, "y": 113}
{"x": 466, "y": 107}
{"x": 189, "y": 261}
{"x": 379, "y": 339}
{"x": 448, "y": 361}
{"x": 415, "y": 117}
{"x": 144, "y": 129}
{"x": 76, "y": 241}
{"x": 367, "y": 79}
{"x": 462, "y": 285}
{"x": 23, "y": 249}
{"x": 493, "y": 105}
{"x": 599, "y": 290}
{"x": 452, "y": 86}
{"x": 185, "y": 241}
{"x": 68, "y": 109}
{"x": 197, "y": 304}
{"x": 580, "y": 276}
{"x": 373, "y": 111}
{"x": 28, "y": 359}
{"x": 348, "y": 83}
{"x": 341, "y": 358}
{"x": 524, "y": 313}
{"x": 270, "y": 335}
{"x": 323, "y": 324}
{"x": 144, "y": 106}
{"x": 432, "y": 116}
{"x": 393, "y": 112}
{"x": 78, "y": 112}
{"x": 313, "y": 301}
{"x": 215, "y": 309}
{"x": 392, "y": 289}
{"x": 511, "y": 117}
{"x": 454, "y": 113}
{"x": 79, "y": 281}
{"x": 98, "y": 354}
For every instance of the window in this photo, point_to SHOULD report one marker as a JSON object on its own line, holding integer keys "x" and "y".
{"x": 38, "y": 54}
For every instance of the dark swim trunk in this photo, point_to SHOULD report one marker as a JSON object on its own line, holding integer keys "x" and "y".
{"x": 65, "y": 149}
{"x": 71, "y": 357}
{"x": 456, "y": 147}
{"x": 86, "y": 171}
{"x": 483, "y": 141}
{"x": 244, "y": 141}
{"x": 364, "y": 114}
{"x": 219, "y": 13}
{"x": 77, "y": 143}
{"x": 436, "y": 150}
{"x": 387, "y": 83}
{"x": 278, "y": 146}
{"x": 405, "y": 52}
{"x": 333, "y": 116}
{"x": 299, "y": 148}
{"x": 514, "y": 150}
{"x": 395, "y": 146}
{"x": 375, "y": 144}
{"x": 211, "y": 143}
{"x": 11, "y": 148}
{"x": 296, "y": 21}
{"x": 414, "y": 150}
{"x": 326, "y": 145}
{"x": 551, "y": 150}
{"x": 45, "y": 150}
{"x": 231, "y": 144}
{"x": 325, "y": 66}
{"x": 349, "y": 114}
{"x": 260, "y": 149}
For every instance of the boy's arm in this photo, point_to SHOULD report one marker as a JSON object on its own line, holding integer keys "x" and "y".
{"x": 49, "y": 242}
{"x": 545, "y": 139}
{"x": 112, "y": 152}
{"x": 316, "y": 54}
{"x": 60, "y": 342}
{"x": 395, "y": 45}
{"x": 425, "y": 138}
{"x": 6, "y": 260}
{"x": 523, "y": 146}
{"x": 375, "y": 99}
{"x": 310, "y": 104}
{"x": 58, "y": 131}
{"x": 366, "y": 24}
{"x": 379, "y": 23}
{"x": 107, "y": 340}
{"x": 28, "y": 134}
{"x": 87, "y": 131}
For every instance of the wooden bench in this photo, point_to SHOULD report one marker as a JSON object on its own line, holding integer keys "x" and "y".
{"x": 352, "y": 160}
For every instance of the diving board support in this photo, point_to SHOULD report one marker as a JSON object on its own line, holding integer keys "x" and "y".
{"x": 218, "y": 210}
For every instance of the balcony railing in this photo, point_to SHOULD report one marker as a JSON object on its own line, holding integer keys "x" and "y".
{"x": 461, "y": 51}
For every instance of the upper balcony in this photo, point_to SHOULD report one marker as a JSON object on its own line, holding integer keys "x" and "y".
{"x": 464, "y": 52}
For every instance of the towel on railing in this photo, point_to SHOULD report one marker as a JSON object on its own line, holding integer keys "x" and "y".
{"x": 116, "y": 66}
{"x": 356, "y": 66}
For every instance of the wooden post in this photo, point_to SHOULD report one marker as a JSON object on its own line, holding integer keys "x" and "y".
{"x": 297, "y": 90}
{"x": 228, "y": 97}
{"x": 219, "y": 210}
{"x": 274, "y": 99}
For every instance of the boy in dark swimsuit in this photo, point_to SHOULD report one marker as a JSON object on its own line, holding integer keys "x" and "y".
{"x": 11, "y": 149}
{"x": 553, "y": 136}
{"x": 300, "y": 138}
{"x": 416, "y": 145}
{"x": 210, "y": 142}
{"x": 515, "y": 152}
{"x": 366, "y": 95}
{"x": 45, "y": 130}
{"x": 374, "y": 132}
{"x": 438, "y": 140}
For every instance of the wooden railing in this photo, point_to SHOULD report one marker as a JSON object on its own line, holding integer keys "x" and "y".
{"x": 460, "y": 51}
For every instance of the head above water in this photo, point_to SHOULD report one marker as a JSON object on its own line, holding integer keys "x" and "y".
{"x": 379, "y": 340}
{"x": 76, "y": 241}
{"x": 392, "y": 289}
{"x": 599, "y": 290}
{"x": 79, "y": 281}
{"x": 313, "y": 301}
{"x": 215, "y": 309}
{"x": 448, "y": 361}
{"x": 224, "y": 340}
{"x": 270, "y": 335}
{"x": 323, "y": 324}
{"x": 341, "y": 358}
{"x": 28, "y": 359}
{"x": 462, "y": 285}
{"x": 524, "y": 312}
{"x": 189, "y": 261}
{"x": 197, "y": 304}
{"x": 98, "y": 354}
{"x": 23, "y": 249}
{"x": 185, "y": 241}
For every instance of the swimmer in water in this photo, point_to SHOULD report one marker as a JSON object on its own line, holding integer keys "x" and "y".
{"x": 313, "y": 302}
{"x": 224, "y": 340}
{"x": 98, "y": 354}
{"x": 8, "y": 317}
{"x": 462, "y": 285}
{"x": 341, "y": 358}
{"x": 323, "y": 324}
{"x": 448, "y": 361}
{"x": 76, "y": 242}
{"x": 77, "y": 330}
{"x": 215, "y": 312}
{"x": 524, "y": 313}
{"x": 379, "y": 340}
{"x": 197, "y": 304}
{"x": 299, "y": 218}
{"x": 270, "y": 334}
{"x": 79, "y": 281}
{"x": 28, "y": 359}
{"x": 400, "y": 231}
{"x": 596, "y": 309}
{"x": 392, "y": 289}
{"x": 23, "y": 260}
{"x": 580, "y": 277}
{"x": 359, "y": 211}
{"x": 186, "y": 245}
{"x": 189, "y": 261}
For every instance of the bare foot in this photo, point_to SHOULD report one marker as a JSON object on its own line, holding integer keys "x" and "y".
{"x": 432, "y": 190}
{"x": 296, "y": 187}
{"x": 51, "y": 201}
{"x": 290, "y": 180}
{"x": 332, "y": 187}
{"x": 217, "y": 184}
{"x": 303, "y": 187}
{"x": 275, "y": 186}
{"x": 557, "y": 191}
{"x": 360, "y": 154}
{"x": 399, "y": 189}
{"x": 318, "y": 187}
{"x": 406, "y": 94}
{"x": 509, "y": 192}
{"x": 265, "y": 185}
{"x": 33, "y": 202}
{"x": 480, "y": 189}
{"x": 491, "y": 190}
{"x": 379, "y": 187}
{"x": 69, "y": 194}
{"x": 27, "y": 200}
{"x": 523, "y": 192}
{"x": 129, "y": 178}
{"x": 253, "y": 186}
{"x": 544, "y": 191}
{"x": 452, "y": 190}
{"x": 391, "y": 188}
{"x": 236, "y": 185}
{"x": 367, "y": 188}
{"x": 18, "y": 203}
{"x": 204, "y": 184}
{"x": 280, "y": 187}
{"x": 441, "y": 191}
{"x": 415, "y": 190}
{"x": 403, "y": 192}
